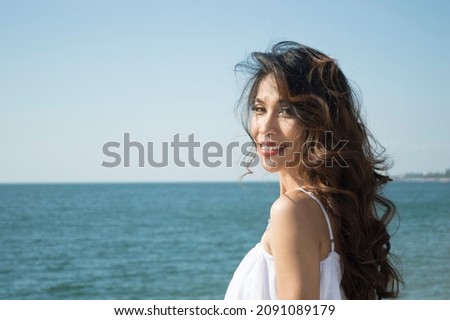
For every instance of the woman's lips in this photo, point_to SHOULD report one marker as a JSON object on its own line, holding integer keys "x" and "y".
{"x": 270, "y": 148}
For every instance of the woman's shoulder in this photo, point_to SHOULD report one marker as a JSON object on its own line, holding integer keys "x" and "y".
{"x": 296, "y": 208}
{"x": 297, "y": 225}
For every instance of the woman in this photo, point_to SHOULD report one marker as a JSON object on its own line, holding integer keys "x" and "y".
{"x": 327, "y": 235}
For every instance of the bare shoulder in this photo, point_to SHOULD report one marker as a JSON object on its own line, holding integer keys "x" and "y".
{"x": 296, "y": 209}
{"x": 296, "y": 233}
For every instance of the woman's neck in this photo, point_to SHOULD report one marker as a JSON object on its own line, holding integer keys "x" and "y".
{"x": 289, "y": 180}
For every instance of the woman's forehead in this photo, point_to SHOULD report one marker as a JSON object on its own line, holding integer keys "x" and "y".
{"x": 267, "y": 88}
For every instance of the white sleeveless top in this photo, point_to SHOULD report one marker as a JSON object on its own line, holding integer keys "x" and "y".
{"x": 254, "y": 278}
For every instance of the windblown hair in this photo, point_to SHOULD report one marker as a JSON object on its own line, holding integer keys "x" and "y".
{"x": 348, "y": 181}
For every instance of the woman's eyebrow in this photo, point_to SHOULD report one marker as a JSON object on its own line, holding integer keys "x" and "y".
{"x": 258, "y": 101}
{"x": 280, "y": 102}
{"x": 283, "y": 103}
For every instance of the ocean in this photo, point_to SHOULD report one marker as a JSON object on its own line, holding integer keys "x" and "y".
{"x": 179, "y": 240}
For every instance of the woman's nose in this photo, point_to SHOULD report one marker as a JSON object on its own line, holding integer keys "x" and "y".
{"x": 268, "y": 124}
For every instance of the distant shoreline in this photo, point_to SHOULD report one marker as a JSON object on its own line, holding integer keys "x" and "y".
{"x": 424, "y": 177}
{"x": 404, "y": 179}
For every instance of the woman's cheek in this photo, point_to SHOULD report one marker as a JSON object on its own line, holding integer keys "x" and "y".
{"x": 253, "y": 128}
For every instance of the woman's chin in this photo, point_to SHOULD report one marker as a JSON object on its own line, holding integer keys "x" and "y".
{"x": 271, "y": 166}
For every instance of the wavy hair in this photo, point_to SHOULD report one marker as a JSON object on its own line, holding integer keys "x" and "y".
{"x": 348, "y": 181}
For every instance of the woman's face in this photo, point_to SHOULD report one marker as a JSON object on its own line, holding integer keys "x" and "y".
{"x": 276, "y": 133}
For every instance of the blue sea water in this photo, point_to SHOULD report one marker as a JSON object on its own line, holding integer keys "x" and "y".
{"x": 179, "y": 241}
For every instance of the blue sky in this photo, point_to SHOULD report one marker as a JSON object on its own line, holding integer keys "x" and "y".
{"x": 75, "y": 75}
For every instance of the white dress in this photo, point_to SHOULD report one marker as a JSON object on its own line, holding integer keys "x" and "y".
{"x": 254, "y": 278}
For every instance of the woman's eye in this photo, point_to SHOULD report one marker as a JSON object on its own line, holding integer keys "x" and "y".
{"x": 286, "y": 111}
{"x": 257, "y": 109}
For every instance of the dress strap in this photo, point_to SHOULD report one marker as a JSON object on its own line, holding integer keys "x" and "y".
{"x": 330, "y": 231}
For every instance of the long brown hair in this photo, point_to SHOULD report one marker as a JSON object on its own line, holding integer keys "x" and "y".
{"x": 349, "y": 179}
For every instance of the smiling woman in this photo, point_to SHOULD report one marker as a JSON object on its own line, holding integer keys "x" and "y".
{"x": 327, "y": 236}
{"x": 270, "y": 111}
